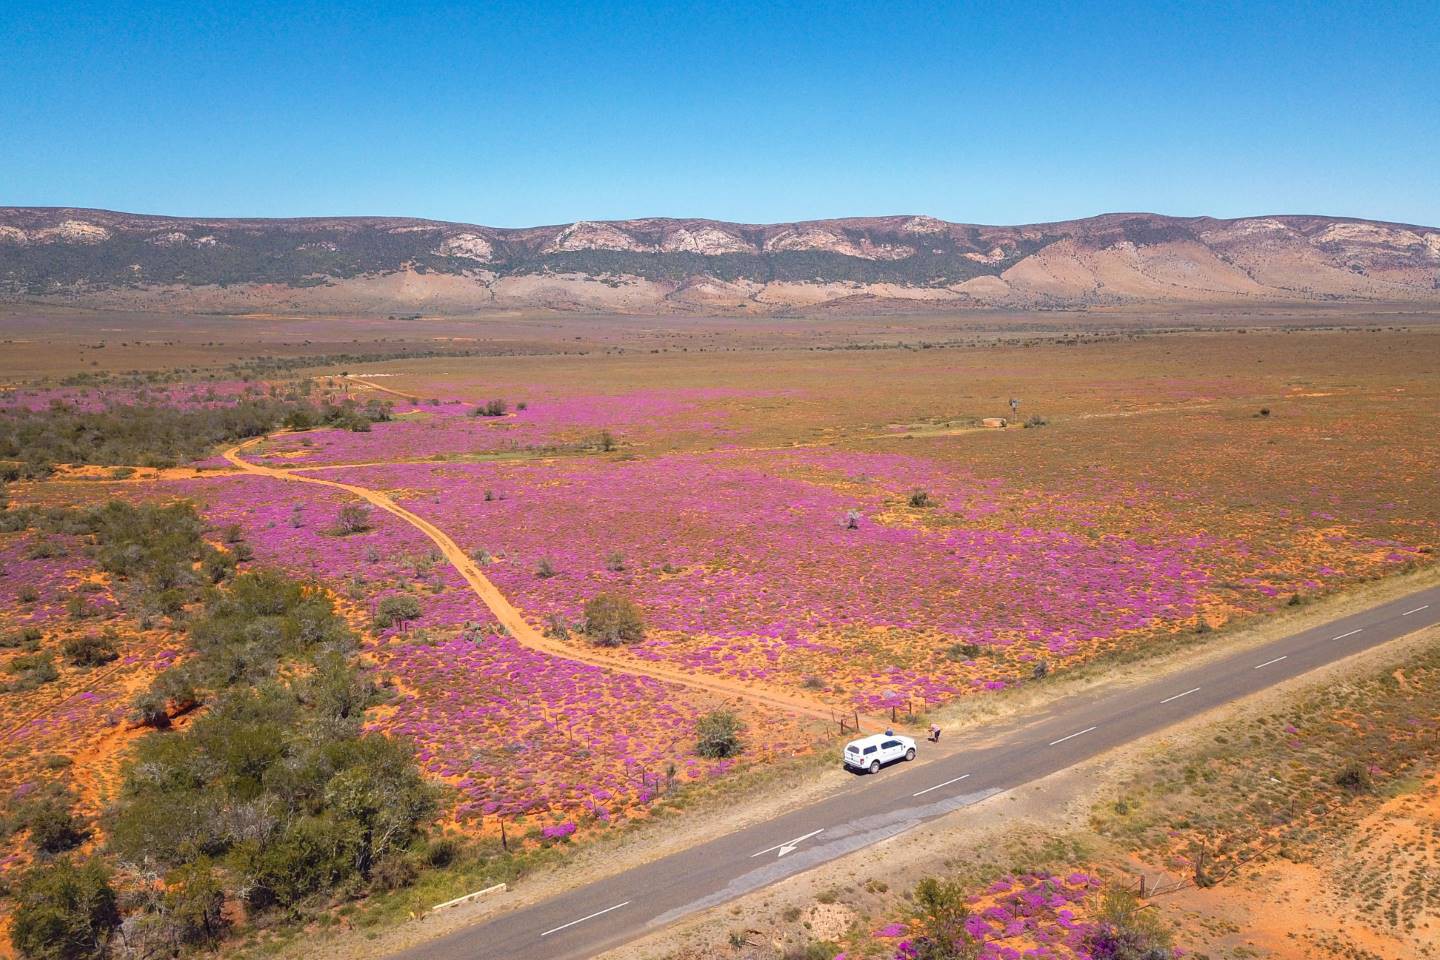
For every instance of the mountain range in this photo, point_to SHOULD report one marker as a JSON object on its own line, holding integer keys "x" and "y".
{"x": 659, "y": 265}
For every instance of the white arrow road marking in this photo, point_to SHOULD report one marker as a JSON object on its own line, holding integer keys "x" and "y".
{"x": 938, "y": 786}
{"x": 789, "y": 845}
{"x": 583, "y": 919}
{"x": 1416, "y": 610}
{"x": 1350, "y": 634}
{"x": 1268, "y": 662}
{"x": 1179, "y": 695}
{"x": 1071, "y": 736}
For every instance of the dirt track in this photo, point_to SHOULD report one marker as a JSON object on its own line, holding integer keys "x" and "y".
{"x": 523, "y": 631}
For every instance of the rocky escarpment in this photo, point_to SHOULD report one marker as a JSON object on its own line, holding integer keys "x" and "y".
{"x": 661, "y": 265}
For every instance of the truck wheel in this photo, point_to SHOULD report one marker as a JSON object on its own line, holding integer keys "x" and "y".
{"x": 874, "y": 766}
{"x": 910, "y": 754}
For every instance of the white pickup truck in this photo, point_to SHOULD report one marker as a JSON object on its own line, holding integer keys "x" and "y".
{"x": 872, "y": 752}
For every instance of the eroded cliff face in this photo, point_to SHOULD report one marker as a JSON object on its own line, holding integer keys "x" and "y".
{"x": 660, "y": 265}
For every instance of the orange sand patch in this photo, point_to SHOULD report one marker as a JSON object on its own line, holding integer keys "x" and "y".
{"x": 1373, "y": 893}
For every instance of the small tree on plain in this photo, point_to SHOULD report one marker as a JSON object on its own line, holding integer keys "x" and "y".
{"x": 612, "y": 620}
{"x": 397, "y": 609}
{"x": 717, "y": 735}
{"x": 352, "y": 518}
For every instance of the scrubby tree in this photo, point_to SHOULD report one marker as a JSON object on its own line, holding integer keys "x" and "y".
{"x": 612, "y": 620}
{"x": 31, "y": 670}
{"x": 50, "y": 818}
{"x": 1128, "y": 929}
{"x": 717, "y": 735}
{"x": 64, "y": 911}
{"x": 942, "y": 907}
{"x": 396, "y": 609}
{"x": 193, "y": 904}
{"x": 352, "y": 518}
{"x": 91, "y": 650}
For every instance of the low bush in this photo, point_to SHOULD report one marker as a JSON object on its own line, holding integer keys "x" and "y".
{"x": 91, "y": 650}
{"x": 718, "y": 735}
{"x": 353, "y": 518}
{"x": 612, "y": 620}
{"x": 52, "y": 824}
{"x": 396, "y": 609}
{"x": 31, "y": 670}
{"x": 1128, "y": 931}
{"x": 64, "y": 911}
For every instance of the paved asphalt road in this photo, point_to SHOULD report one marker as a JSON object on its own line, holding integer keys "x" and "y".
{"x": 613, "y": 911}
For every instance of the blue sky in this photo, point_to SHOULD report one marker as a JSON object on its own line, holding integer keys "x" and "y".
{"x": 517, "y": 114}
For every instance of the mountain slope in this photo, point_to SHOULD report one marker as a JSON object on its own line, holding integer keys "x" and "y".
{"x": 676, "y": 265}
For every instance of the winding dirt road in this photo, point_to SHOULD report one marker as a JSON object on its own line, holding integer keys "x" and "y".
{"x": 523, "y": 631}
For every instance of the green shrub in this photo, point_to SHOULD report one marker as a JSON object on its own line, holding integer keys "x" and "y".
{"x": 353, "y": 518}
{"x": 612, "y": 620}
{"x": 52, "y": 824}
{"x": 26, "y": 638}
{"x": 942, "y": 907}
{"x": 718, "y": 735}
{"x": 1128, "y": 931}
{"x": 442, "y": 851}
{"x": 91, "y": 650}
{"x": 193, "y": 904}
{"x": 394, "y": 872}
{"x": 32, "y": 670}
{"x": 149, "y": 709}
{"x": 964, "y": 651}
{"x": 396, "y": 609}
{"x": 64, "y": 911}
{"x": 312, "y": 854}
{"x": 1355, "y": 777}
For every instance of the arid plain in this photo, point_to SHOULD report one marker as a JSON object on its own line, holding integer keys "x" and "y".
{"x": 613, "y": 583}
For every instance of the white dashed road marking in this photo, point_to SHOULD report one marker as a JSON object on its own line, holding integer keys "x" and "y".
{"x": 1416, "y": 610}
{"x": 1071, "y": 736}
{"x": 1179, "y": 695}
{"x": 938, "y": 786}
{"x": 1268, "y": 662}
{"x": 592, "y": 916}
{"x": 1350, "y": 634}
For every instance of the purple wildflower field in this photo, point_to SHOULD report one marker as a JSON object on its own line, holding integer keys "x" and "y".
{"x": 744, "y": 567}
{"x": 1025, "y": 917}
{"x": 510, "y": 729}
